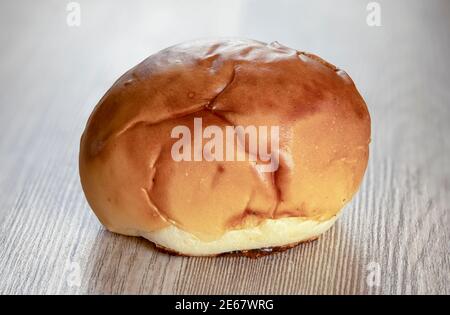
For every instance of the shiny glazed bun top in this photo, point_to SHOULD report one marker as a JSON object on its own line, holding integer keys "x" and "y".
{"x": 134, "y": 185}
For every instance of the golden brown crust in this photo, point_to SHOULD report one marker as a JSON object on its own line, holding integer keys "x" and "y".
{"x": 133, "y": 184}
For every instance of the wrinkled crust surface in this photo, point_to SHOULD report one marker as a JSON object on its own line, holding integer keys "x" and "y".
{"x": 134, "y": 186}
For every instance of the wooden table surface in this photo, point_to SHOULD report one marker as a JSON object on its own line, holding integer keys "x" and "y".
{"x": 394, "y": 237}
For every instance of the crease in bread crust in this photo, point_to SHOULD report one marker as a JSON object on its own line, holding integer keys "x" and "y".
{"x": 208, "y": 106}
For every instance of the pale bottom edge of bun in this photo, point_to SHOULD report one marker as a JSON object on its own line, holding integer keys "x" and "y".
{"x": 284, "y": 232}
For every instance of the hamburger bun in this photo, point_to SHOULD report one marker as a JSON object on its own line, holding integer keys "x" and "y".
{"x": 199, "y": 207}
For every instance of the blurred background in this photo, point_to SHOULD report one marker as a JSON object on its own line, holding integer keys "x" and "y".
{"x": 57, "y": 58}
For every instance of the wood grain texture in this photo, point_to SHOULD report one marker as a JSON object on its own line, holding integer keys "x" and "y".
{"x": 52, "y": 75}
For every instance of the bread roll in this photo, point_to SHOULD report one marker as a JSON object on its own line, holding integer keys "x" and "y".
{"x": 136, "y": 186}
